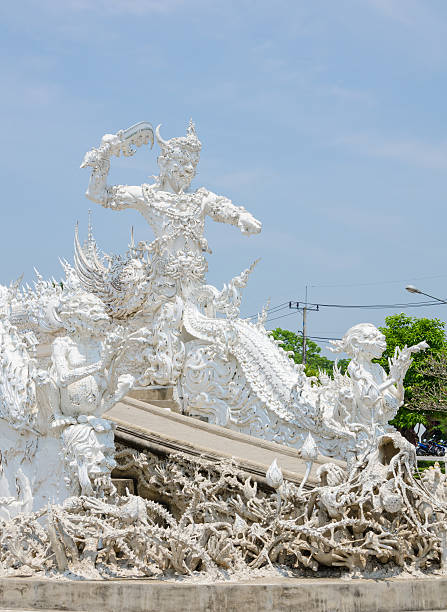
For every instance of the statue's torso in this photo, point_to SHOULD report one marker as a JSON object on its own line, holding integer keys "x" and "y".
{"x": 83, "y": 396}
{"x": 178, "y": 221}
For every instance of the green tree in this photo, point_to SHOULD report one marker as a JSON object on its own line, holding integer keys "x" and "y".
{"x": 290, "y": 341}
{"x": 401, "y": 330}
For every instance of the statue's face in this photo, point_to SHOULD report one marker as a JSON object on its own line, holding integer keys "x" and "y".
{"x": 91, "y": 454}
{"x": 178, "y": 168}
{"x": 98, "y": 453}
{"x": 373, "y": 343}
{"x": 86, "y": 312}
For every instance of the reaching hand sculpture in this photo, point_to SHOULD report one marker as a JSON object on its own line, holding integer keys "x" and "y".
{"x": 369, "y": 397}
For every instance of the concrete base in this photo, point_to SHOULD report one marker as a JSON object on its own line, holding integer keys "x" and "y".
{"x": 261, "y": 595}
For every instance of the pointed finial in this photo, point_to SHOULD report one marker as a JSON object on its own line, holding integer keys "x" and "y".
{"x": 274, "y": 476}
{"x": 90, "y": 243}
{"x": 191, "y": 128}
{"x": 309, "y": 450}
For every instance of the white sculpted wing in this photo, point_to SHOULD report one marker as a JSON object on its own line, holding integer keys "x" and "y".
{"x": 122, "y": 286}
{"x": 17, "y": 371}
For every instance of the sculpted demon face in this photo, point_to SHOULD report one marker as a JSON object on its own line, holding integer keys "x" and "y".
{"x": 179, "y": 159}
{"x": 362, "y": 339}
{"x": 90, "y": 453}
{"x": 178, "y": 169}
{"x": 81, "y": 311}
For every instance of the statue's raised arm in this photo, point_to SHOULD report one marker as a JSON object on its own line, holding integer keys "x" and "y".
{"x": 177, "y": 163}
{"x": 125, "y": 142}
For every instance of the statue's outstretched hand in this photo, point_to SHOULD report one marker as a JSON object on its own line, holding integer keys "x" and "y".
{"x": 110, "y": 144}
{"x": 248, "y": 224}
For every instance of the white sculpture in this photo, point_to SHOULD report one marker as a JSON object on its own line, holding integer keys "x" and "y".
{"x": 69, "y": 351}
{"x": 53, "y": 441}
{"x": 375, "y": 519}
{"x": 227, "y": 370}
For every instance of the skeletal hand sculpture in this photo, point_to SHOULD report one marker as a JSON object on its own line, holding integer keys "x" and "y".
{"x": 211, "y": 518}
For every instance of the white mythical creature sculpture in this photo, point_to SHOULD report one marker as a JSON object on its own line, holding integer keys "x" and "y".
{"x": 226, "y": 370}
{"x": 70, "y": 350}
{"x": 53, "y": 439}
{"x": 174, "y": 273}
{"x": 366, "y": 398}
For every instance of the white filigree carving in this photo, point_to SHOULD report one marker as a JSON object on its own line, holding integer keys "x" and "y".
{"x": 51, "y": 405}
{"x": 69, "y": 351}
{"x": 227, "y": 369}
{"x": 210, "y": 518}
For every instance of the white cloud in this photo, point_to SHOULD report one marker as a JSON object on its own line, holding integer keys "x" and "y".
{"x": 402, "y": 12}
{"x": 421, "y": 154}
{"x": 133, "y": 7}
{"x": 349, "y": 94}
{"x": 414, "y": 15}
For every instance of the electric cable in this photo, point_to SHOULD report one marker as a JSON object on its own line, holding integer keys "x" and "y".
{"x": 377, "y": 306}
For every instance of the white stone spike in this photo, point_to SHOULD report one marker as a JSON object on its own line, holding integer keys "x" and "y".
{"x": 308, "y": 452}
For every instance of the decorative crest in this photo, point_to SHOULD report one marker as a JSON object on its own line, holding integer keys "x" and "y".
{"x": 190, "y": 142}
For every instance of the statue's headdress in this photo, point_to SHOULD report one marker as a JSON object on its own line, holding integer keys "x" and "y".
{"x": 190, "y": 142}
{"x": 352, "y": 338}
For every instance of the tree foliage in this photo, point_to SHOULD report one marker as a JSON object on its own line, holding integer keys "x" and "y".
{"x": 290, "y": 341}
{"x": 401, "y": 330}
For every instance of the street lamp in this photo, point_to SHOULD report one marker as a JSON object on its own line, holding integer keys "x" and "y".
{"x": 413, "y": 289}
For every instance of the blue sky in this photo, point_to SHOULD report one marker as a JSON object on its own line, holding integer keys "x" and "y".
{"x": 325, "y": 119}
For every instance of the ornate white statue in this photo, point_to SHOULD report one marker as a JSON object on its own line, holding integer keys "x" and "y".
{"x": 70, "y": 350}
{"x": 149, "y": 318}
{"x": 376, "y": 395}
{"x": 177, "y": 266}
{"x": 53, "y": 441}
{"x": 227, "y": 370}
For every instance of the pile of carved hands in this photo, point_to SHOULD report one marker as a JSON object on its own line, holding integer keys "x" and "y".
{"x": 210, "y": 517}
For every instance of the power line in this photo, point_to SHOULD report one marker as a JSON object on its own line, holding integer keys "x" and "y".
{"x": 323, "y": 338}
{"x": 281, "y": 317}
{"x": 375, "y": 306}
{"x": 387, "y": 282}
{"x": 285, "y": 305}
{"x": 271, "y": 310}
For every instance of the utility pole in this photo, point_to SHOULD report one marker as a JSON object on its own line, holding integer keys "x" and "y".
{"x": 304, "y": 333}
{"x": 304, "y": 307}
